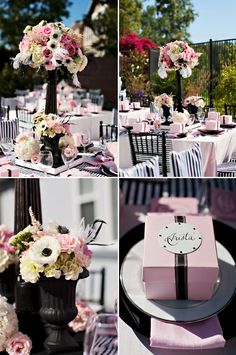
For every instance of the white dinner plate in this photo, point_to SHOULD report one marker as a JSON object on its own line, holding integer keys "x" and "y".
{"x": 178, "y": 310}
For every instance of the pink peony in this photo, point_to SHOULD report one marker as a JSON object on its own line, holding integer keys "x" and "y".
{"x": 84, "y": 313}
{"x": 19, "y": 344}
{"x": 65, "y": 38}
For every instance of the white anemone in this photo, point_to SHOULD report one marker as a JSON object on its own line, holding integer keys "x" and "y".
{"x": 45, "y": 250}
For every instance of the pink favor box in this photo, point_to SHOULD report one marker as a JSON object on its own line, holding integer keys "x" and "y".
{"x": 9, "y": 171}
{"x": 177, "y": 127}
{"x": 213, "y": 115}
{"x": 160, "y": 266}
{"x": 226, "y": 119}
{"x": 124, "y": 105}
{"x": 212, "y": 125}
{"x": 140, "y": 127}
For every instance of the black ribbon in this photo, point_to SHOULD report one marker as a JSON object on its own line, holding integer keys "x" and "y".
{"x": 9, "y": 172}
{"x": 181, "y": 270}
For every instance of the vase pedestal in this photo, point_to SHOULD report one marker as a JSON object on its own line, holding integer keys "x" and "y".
{"x": 7, "y": 283}
{"x": 179, "y": 92}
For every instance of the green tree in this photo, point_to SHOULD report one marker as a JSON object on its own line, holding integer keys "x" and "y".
{"x": 105, "y": 28}
{"x": 130, "y": 16}
{"x": 16, "y": 14}
{"x": 168, "y": 20}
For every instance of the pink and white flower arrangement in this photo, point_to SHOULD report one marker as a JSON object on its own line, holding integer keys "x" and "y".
{"x": 180, "y": 117}
{"x": 197, "y": 101}
{"x": 177, "y": 55}
{"x": 53, "y": 252}
{"x": 163, "y": 99}
{"x": 12, "y": 341}
{"x": 7, "y": 252}
{"x": 84, "y": 313}
{"x": 51, "y": 45}
{"x": 50, "y": 125}
{"x": 26, "y": 147}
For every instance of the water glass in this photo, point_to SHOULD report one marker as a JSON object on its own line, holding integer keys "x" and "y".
{"x": 101, "y": 334}
{"x": 85, "y": 139}
{"x": 7, "y": 147}
{"x": 45, "y": 161}
{"x": 69, "y": 154}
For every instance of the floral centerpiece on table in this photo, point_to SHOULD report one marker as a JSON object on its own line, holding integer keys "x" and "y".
{"x": 26, "y": 146}
{"x": 163, "y": 100}
{"x": 194, "y": 103}
{"x": 177, "y": 55}
{"x": 11, "y": 340}
{"x": 180, "y": 117}
{"x": 50, "y": 46}
{"x": 53, "y": 252}
{"x": 50, "y": 125}
{"x": 7, "y": 252}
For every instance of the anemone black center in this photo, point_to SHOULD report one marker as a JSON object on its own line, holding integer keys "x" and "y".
{"x": 46, "y": 252}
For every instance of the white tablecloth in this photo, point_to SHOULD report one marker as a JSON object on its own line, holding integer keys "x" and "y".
{"x": 215, "y": 149}
{"x": 126, "y": 118}
{"x": 78, "y": 124}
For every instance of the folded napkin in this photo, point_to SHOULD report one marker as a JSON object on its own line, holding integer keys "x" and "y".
{"x": 205, "y": 334}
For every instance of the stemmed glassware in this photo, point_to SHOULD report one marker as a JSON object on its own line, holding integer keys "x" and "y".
{"x": 68, "y": 155}
{"x": 7, "y": 147}
{"x": 45, "y": 161}
{"x": 101, "y": 334}
{"x": 85, "y": 139}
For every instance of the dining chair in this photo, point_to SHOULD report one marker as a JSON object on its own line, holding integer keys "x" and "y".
{"x": 227, "y": 169}
{"x": 5, "y": 112}
{"x": 187, "y": 163}
{"x": 107, "y": 132}
{"x": 9, "y": 129}
{"x": 145, "y": 145}
{"x": 94, "y": 290}
{"x": 25, "y": 119}
{"x": 149, "y": 168}
{"x": 230, "y": 109}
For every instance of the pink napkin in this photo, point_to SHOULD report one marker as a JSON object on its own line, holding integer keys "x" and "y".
{"x": 223, "y": 204}
{"x": 182, "y": 205}
{"x": 4, "y": 161}
{"x": 99, "y": 162}
{"x": 205, "y": 334}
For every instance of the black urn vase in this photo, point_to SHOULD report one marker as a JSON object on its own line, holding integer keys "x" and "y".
{"x": 166, "y": 114}
{"x": 57, "y": 310}
{"x": 52, "y": 144}
{"x": 8, "y": 282}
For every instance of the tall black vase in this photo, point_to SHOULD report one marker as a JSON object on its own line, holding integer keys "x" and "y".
{"x": 166, "y": 114}
{"x": 51, "y": 96}
{"x": 52, "y": 144}
{"x": 179, "y": 92}
{"x": 57, "y": 310}
{"x": 7, "y": 283}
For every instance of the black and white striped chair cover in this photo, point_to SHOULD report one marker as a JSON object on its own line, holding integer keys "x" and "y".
{"x": 141, "y": 191}
{"x": 25, "y": 119}
{"x": 104, "y": 345}
{"x": 187, "y": 163}
{"x": 149, "y": 168}
{"x": 9, "y": 129}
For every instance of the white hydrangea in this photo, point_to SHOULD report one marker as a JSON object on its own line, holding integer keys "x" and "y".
{"x": 8, "y": 322}
{"x": 26, "y": 148}
{"x": 180, "y": 117}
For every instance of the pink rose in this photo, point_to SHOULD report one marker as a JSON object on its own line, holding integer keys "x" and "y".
{"x": 47, "y": 53}
{"x": 19, "y": 344}
{"x": 70, "y": 151}
{"x": 25, "y": 44}
{"x": 84, "y": 313}
{"x": 65, "y": 38}
{"x": 21, "y": 137}
{"x": 46, "y": 30}
{"x": 35, "y": 159}
{"x": 83, "y": 253}
{"x": 70, "y": 49}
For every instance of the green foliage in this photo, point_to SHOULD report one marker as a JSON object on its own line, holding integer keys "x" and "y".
{"x": 160, "y": 86}
{"x": 225, "y": 90}
{"x": 16, "y": 14}
{"x": 105, "y": 28}
{"x": 168, "y": 20}
{"x": 134, "y": 72}
{"x": 130, "y": 16}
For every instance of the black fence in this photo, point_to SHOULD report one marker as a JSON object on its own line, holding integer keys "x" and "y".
{"x": 215, "y": 56}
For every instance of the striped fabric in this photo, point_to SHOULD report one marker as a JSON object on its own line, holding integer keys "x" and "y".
{"x": 187, "y": 163}
{"x": 149, "y": 168}
{"x": 9, "y": 129}
{"x": 141, "y": 191}
{"x": 104, "y": 345}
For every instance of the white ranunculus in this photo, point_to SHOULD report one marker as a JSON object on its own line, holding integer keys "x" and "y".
{"x": 29, "y": 269}
{"x": 4, "y": 260}
{"x": 45, "y": 250}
